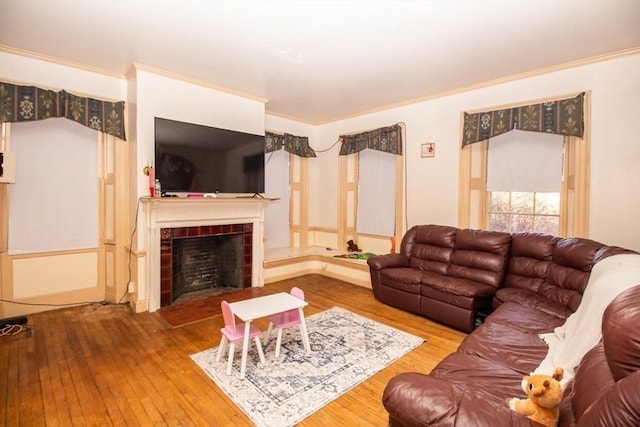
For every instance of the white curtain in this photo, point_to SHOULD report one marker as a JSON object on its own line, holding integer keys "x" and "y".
{"x": 525, "y": 161}
{"x": 376, "y": 193}
{"x": 53, "y": 204}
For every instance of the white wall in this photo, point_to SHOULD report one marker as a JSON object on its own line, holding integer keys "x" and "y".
{"x": 432, "y": 189}
{"x": 160, "y": 96}
{"x": 27, "y": 71}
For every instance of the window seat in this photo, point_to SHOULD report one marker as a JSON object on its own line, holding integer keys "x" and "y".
{"x": 286, "y": 263}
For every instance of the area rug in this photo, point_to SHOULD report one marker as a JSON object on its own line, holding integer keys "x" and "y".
{"x": 346, "y": 349}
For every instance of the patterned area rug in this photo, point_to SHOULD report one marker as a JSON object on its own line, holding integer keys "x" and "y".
{"x": 346, "y": 349}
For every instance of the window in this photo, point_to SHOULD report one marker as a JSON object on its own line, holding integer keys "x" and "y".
{"x": 376, "y": 182}
{"x": 54, "y": 203}
{"x": 482, "y": 207}
{"x": 524, "y": 177}
{"x": 371, "y": 194}
{"x": 276, "y": 217}
{"x": 524, "y": 211}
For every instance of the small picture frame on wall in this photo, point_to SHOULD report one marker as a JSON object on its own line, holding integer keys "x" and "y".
{"x": 428, "y": 149}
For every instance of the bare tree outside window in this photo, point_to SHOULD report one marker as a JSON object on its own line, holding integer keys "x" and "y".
{"x": 524, "y": 211}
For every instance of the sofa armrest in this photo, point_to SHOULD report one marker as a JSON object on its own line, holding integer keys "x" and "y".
{"x": 380, "y": 262}
{"x": 413, "y": 399}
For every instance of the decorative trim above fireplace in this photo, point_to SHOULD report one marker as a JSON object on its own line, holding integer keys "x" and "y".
{"x": 159, "y": 213}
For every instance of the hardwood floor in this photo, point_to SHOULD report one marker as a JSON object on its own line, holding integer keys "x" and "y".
{"x": 104, "y": 365}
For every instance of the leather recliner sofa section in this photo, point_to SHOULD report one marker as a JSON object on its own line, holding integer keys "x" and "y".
{"x": 469, "y": 387}
{"x": 453, "y": 275}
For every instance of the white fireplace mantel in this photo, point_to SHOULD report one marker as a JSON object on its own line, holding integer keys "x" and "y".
{"x": 174, "y": 212}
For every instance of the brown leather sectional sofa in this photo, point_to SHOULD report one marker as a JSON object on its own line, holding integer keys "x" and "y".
{"x": 455, "y": 276}
{"x": 526, "y": 284}
{"x": 469, "y": 387}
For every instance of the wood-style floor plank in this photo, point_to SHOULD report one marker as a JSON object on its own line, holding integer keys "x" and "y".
{"x": 104, "y": 365}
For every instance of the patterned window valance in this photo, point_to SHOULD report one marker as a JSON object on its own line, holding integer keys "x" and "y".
{"x": 387, "y": 139}
{"x": 298, "y": 145}
{"x": 563, "y": 117}
{"x": 29, "y": 103}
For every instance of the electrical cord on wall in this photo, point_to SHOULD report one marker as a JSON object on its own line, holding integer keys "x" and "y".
{"x": 329, "y": 148}
{"x": 133, "y": 232}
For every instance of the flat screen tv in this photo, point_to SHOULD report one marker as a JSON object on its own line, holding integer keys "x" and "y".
{"x": 192, "y": 158}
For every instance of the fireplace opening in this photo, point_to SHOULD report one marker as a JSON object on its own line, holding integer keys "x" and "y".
{"x": 201, "y": 261}
{"x": 205, "y": 263}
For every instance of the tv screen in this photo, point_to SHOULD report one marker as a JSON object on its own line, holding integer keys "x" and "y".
{"x": 194, "y": 158}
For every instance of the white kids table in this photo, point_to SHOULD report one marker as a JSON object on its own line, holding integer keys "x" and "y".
{"x": 268, "y": 305}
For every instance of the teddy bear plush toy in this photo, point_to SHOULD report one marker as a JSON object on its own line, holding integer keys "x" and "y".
{"x": 352, "y": 247}
{"x": 544, "y": 395}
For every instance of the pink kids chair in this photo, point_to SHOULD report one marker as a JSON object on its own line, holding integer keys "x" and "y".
{"x": 232, "y": 333}
{"x": 285, "y": 320}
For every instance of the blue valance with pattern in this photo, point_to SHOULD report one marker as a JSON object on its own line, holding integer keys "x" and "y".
{"x": 30, "y": 103}
{"x": 297, "y": 145}
{"x": 563, "y": 117}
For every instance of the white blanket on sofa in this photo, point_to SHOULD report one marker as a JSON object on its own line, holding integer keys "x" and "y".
{"x": 583, "y": 329}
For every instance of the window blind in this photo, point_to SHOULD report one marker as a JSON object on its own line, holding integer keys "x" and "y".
{"x": 525, "y": 161}
{"x": 376, "y": 193}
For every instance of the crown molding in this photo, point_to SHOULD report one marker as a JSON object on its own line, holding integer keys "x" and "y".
{"x": 175, "y": 76}
{"x": 59, "y": 61}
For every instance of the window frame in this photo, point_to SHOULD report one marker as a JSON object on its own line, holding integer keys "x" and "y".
{"x": 348, "y": 177}
{"x": 534, "y": 214}
{"x": 473, "y": 197}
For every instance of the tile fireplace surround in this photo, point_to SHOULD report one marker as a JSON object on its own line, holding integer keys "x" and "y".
{"x": 178, "y": 212}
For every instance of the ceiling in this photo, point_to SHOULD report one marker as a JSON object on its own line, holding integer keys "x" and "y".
{"x": 319, "y": 61}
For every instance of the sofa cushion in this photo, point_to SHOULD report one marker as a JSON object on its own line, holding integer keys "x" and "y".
{"x": 592, "y": 375}
{"x": 529, "y": 261}
{"x": 480, "y": 256}
{"x": 429, "y": 247}
{"x": 618, "y": 406}
{"x": 573, "y": 259}
{"x": 405, "y": 279}
{"x": 524, "y": 318}
{"x": 620, "y": 333}
{"x": 462, "y": 301}
{"x": 614, "y": 359}
{"x": 497, "y": 380}
{"x": 501, "y": 344}
{"x": 531, "y": 299}
{"x": 456, "y": 286}
{"x": 418, "y": 400}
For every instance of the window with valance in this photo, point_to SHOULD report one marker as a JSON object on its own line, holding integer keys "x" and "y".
{"x": 562, "y": 117}
{"x": 286, "y": 179}
{"x": 565, "y": 118}
{"x": 30, "y": 103}
{"x": 371, "y": 181}
{"x": 296, "y": 145}
{"x": 387, "y": 139}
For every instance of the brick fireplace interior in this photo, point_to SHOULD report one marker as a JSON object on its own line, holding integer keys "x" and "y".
{"x": 204, "y": 257}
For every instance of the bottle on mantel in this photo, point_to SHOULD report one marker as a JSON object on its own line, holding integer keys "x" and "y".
{"x": 157, "y": 192}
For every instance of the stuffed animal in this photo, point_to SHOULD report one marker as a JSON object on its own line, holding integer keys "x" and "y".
{"x": 545, "y": 394}
{"x": 352, "y": 247}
